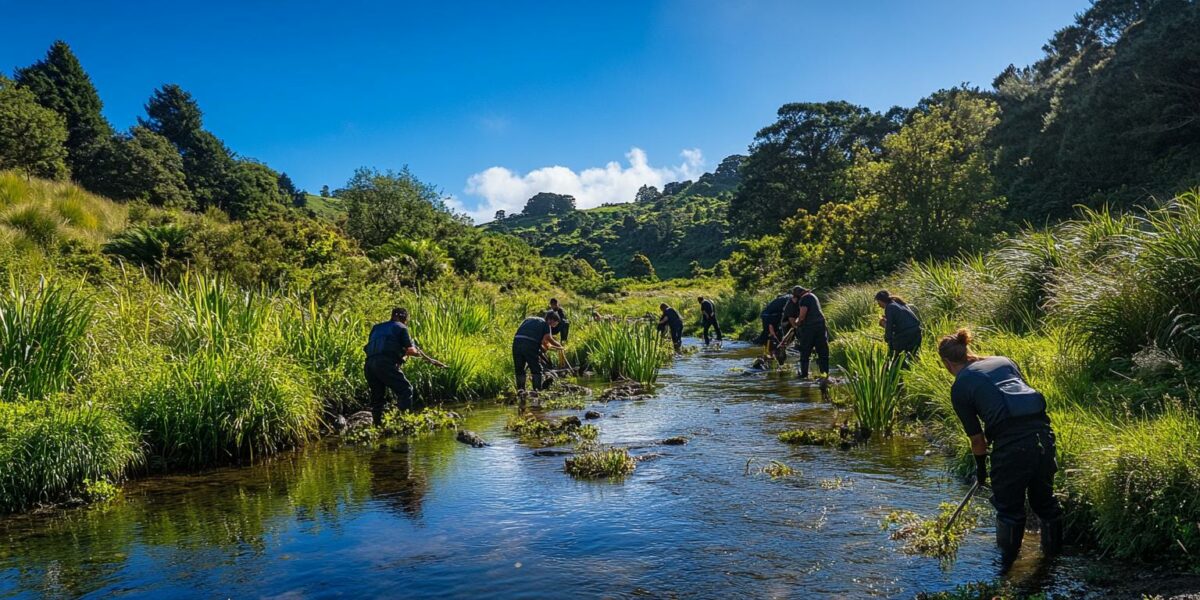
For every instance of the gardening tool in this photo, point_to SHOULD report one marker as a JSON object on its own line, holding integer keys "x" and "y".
{"x": 961, "y": 505}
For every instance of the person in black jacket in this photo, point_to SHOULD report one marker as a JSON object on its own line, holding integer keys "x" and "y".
{"x": 564, "y": 326}
{"x": 388, "y": 345}
{"x": 996, "y": 406}
{"x": 534, "y": 334}
{"x": 708, "y": 318}
{"x": 901, "y": 327}
{"x": 671, "y": 321}
{"x": 803, "y": 313}
{"x": 771, "y": 336}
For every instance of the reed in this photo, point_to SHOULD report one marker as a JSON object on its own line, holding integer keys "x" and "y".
{"x": 329, "y": 348}
{"x": 874, "y": 382}
{"x": 41, "y": 333}
{"x": 623, "y": 350}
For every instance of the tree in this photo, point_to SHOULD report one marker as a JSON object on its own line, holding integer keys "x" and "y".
{"x": 213, "y": 176}
{"x": 641, "y": 267}
{"x": 324, "y": 191}
{"x": 60, "y": 84}
{"x": 143, "y": 165}
{"x": 675, "y": 187}
{"x": 255, "y": 190}
{"x": 499, "y": 216}
{"x": 381, "y": 205}
{"x": 647, "y": 194}
{"x": 288, "y": 188}
{"x": 547, "y": 203}
{"x": 933, "y": 179}
{"x": 32, "y": 137}
{"x": 802, "y": 161}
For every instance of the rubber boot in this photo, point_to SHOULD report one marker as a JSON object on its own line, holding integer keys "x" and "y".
{"x": 1008, "y": 538}
{"x": 1052, "y": 537}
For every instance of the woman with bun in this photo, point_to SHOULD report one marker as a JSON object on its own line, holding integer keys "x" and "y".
{"x": 997, "y": 406}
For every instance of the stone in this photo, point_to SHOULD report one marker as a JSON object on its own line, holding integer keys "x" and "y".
{"x": 591, "y": 414}
{"x": 470, "y": 438}
{"x": 678, "y": 440}
{"x": 359, "y": 420}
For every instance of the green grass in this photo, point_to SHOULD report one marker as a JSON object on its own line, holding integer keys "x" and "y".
{"x": 611, "y": 463}
{"x": 427, "y": 420}
{"x": 330, "y": 209}
{"x": 874, "y": 383}
{"x": 41, "y": 333}
{"x": 329, "y": 348}
{"x": 618, "y": 350}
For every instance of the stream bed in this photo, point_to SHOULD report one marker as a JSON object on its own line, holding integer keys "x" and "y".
{"x": 433, "y": 517}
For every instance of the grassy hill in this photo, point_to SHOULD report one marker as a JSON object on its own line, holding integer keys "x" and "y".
{"x": 329, "y": 209}
{"x": 684, "y": 225}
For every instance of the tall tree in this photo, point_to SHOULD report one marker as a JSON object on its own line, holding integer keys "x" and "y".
{"x": 213, "y": 176}
{"x": 547, "y": 203}
{"x": 143, "y": 165}
{"x": 382, "y": 205}
{"x": 32, "y": 137}
{"x": 60, "y": 84}
{"x": 802, "y": 161}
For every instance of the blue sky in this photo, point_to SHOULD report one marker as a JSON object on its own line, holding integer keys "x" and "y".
{"x": 482, "y": 99}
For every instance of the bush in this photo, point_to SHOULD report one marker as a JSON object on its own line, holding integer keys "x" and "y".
{"x": 216, "y": 407}
{"x": 50, "y": 450}
{"x": 40, "y": 335}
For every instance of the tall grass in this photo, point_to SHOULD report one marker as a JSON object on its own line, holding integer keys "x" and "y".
{"x": 623, "y": 350}
{"x": 45, "y": 213}
{"x": 41, "y": 331}
{"x": 460, "y": 332}
{"x": 49, "y": 449}
{"x": 874, "y": 382}
{"x": 216, "y": 406}
{"x": 209, "y": 312}
{"x": 852, "y": 307}
{"x": 329, "y": 349}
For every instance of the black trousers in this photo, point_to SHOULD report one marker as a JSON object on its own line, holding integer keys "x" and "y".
{"x": 562, "y": 330}
{"x": 765, "y": 336}
{"x": 384, "y": 374}
{"x": 707, "y": 322}
{"x": 907, "y": 342}
{"x": 1024, "y": 467}
{"x": 808, "y": 339}
{"x": 526, "y": 355}
{"x": 677, "y": 337}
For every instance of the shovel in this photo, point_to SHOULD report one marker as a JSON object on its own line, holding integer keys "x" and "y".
{"x": 961, "y": 505}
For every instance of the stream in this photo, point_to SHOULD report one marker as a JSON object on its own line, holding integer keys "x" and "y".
{"x": 434, "y": 517}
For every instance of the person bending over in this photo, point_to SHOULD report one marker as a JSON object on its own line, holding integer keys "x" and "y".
{"x": 388, "y": 345}
{"x": 901, "y": 327}
{"x": 534, "y": 334}
{"x": 771, "y": 316}
{"x": 997, "y": 407}
{"x": 671, "y": 321}
{"x": 803, "y": 313}
{"x": 708, "y": 318}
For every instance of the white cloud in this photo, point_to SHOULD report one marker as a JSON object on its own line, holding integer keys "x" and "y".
{"x": 498, "y": 188}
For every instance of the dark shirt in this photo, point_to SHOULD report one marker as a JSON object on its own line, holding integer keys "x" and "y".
{"x": 900, "y": 319}
{"x": 707, "y": 308}
{"x": 674, "y": 321}
{"x": 993, "y": 391}
{"x": 813, "y": 318}
{"x": 389, "y": 339}
{"x": 533, "y": 329}
{"x": 774, "y": 309}
{"x": 562, "y": 315}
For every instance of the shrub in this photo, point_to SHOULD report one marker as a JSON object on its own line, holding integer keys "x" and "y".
{"x": 49, "y": 450}
{"x": 40, "y": 335}
{"x": 215, "y": 407}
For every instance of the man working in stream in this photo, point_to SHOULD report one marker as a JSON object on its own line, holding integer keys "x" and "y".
{"x": 771, "y": 316}
{"x": 803, "y": 314}
{"x": 534, "y": 334}
{"x": 992, "y": 390}
{"x": 672, "y": 322}
{"x": 388, "y": 345}
{"x": 708, "y": 318}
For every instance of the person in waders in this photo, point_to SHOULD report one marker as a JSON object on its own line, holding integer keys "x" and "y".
{"x": 996, "y": 406}
{"x": 564, "y": 326}
{"x": 771, "y": 336}
{"x": 388, "y": 346}
{"x": 672, "y": 322}
{"x": 901, "y": 327}
{"x": 708, "y": 318}
{"x": 803, "y": 313}
{"x": 534, "y": 334}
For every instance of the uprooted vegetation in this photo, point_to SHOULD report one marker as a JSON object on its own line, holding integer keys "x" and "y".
{"x": 935, "y": 537}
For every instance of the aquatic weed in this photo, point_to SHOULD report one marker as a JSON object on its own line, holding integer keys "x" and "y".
{"x": 811, "y": 437}
{"x": 930, "y": 537}
{"x": 429, "y": 419}
{"x": 611, "y": 463}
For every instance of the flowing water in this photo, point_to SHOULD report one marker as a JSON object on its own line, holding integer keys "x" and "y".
{"x": 433, "y": 517}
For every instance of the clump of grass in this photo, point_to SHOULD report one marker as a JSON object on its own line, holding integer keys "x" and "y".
{"x": 980, "y": 590}
{"x": 852, "y": 308}
{"x": 836, "y": 483}
{"x": 540, "y": 432}
{"x": 41, "y": 332}
{"x": 396, "y": 422}
{"x": 329, "y": 348}
{"x": 930, "y": 537}
{"x": 811, "y": 437}
{"x": 600, "y": 464}
{"x": 618, "y": 350}
{"x": 49, "y": 450}
{"x": 363, "y": 436}
{"x": 215, "y": 407}
{"x": 209, "y": 312}
{"x": 874, "y": 383}
{"x": 588, "y": 432}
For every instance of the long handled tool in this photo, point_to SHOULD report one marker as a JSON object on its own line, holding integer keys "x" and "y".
{"x": 961, "y": 505}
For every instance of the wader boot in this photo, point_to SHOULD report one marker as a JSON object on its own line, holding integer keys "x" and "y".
{"x": 1052, "y": 537}
{"x": 1008, "y": 538}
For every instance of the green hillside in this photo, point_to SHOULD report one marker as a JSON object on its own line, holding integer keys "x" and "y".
{"x": 330, "y": 209}
{"x": 681, "y": 229}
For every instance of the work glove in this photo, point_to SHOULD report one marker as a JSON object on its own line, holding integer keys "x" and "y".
{"x": 981, "y": 473}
